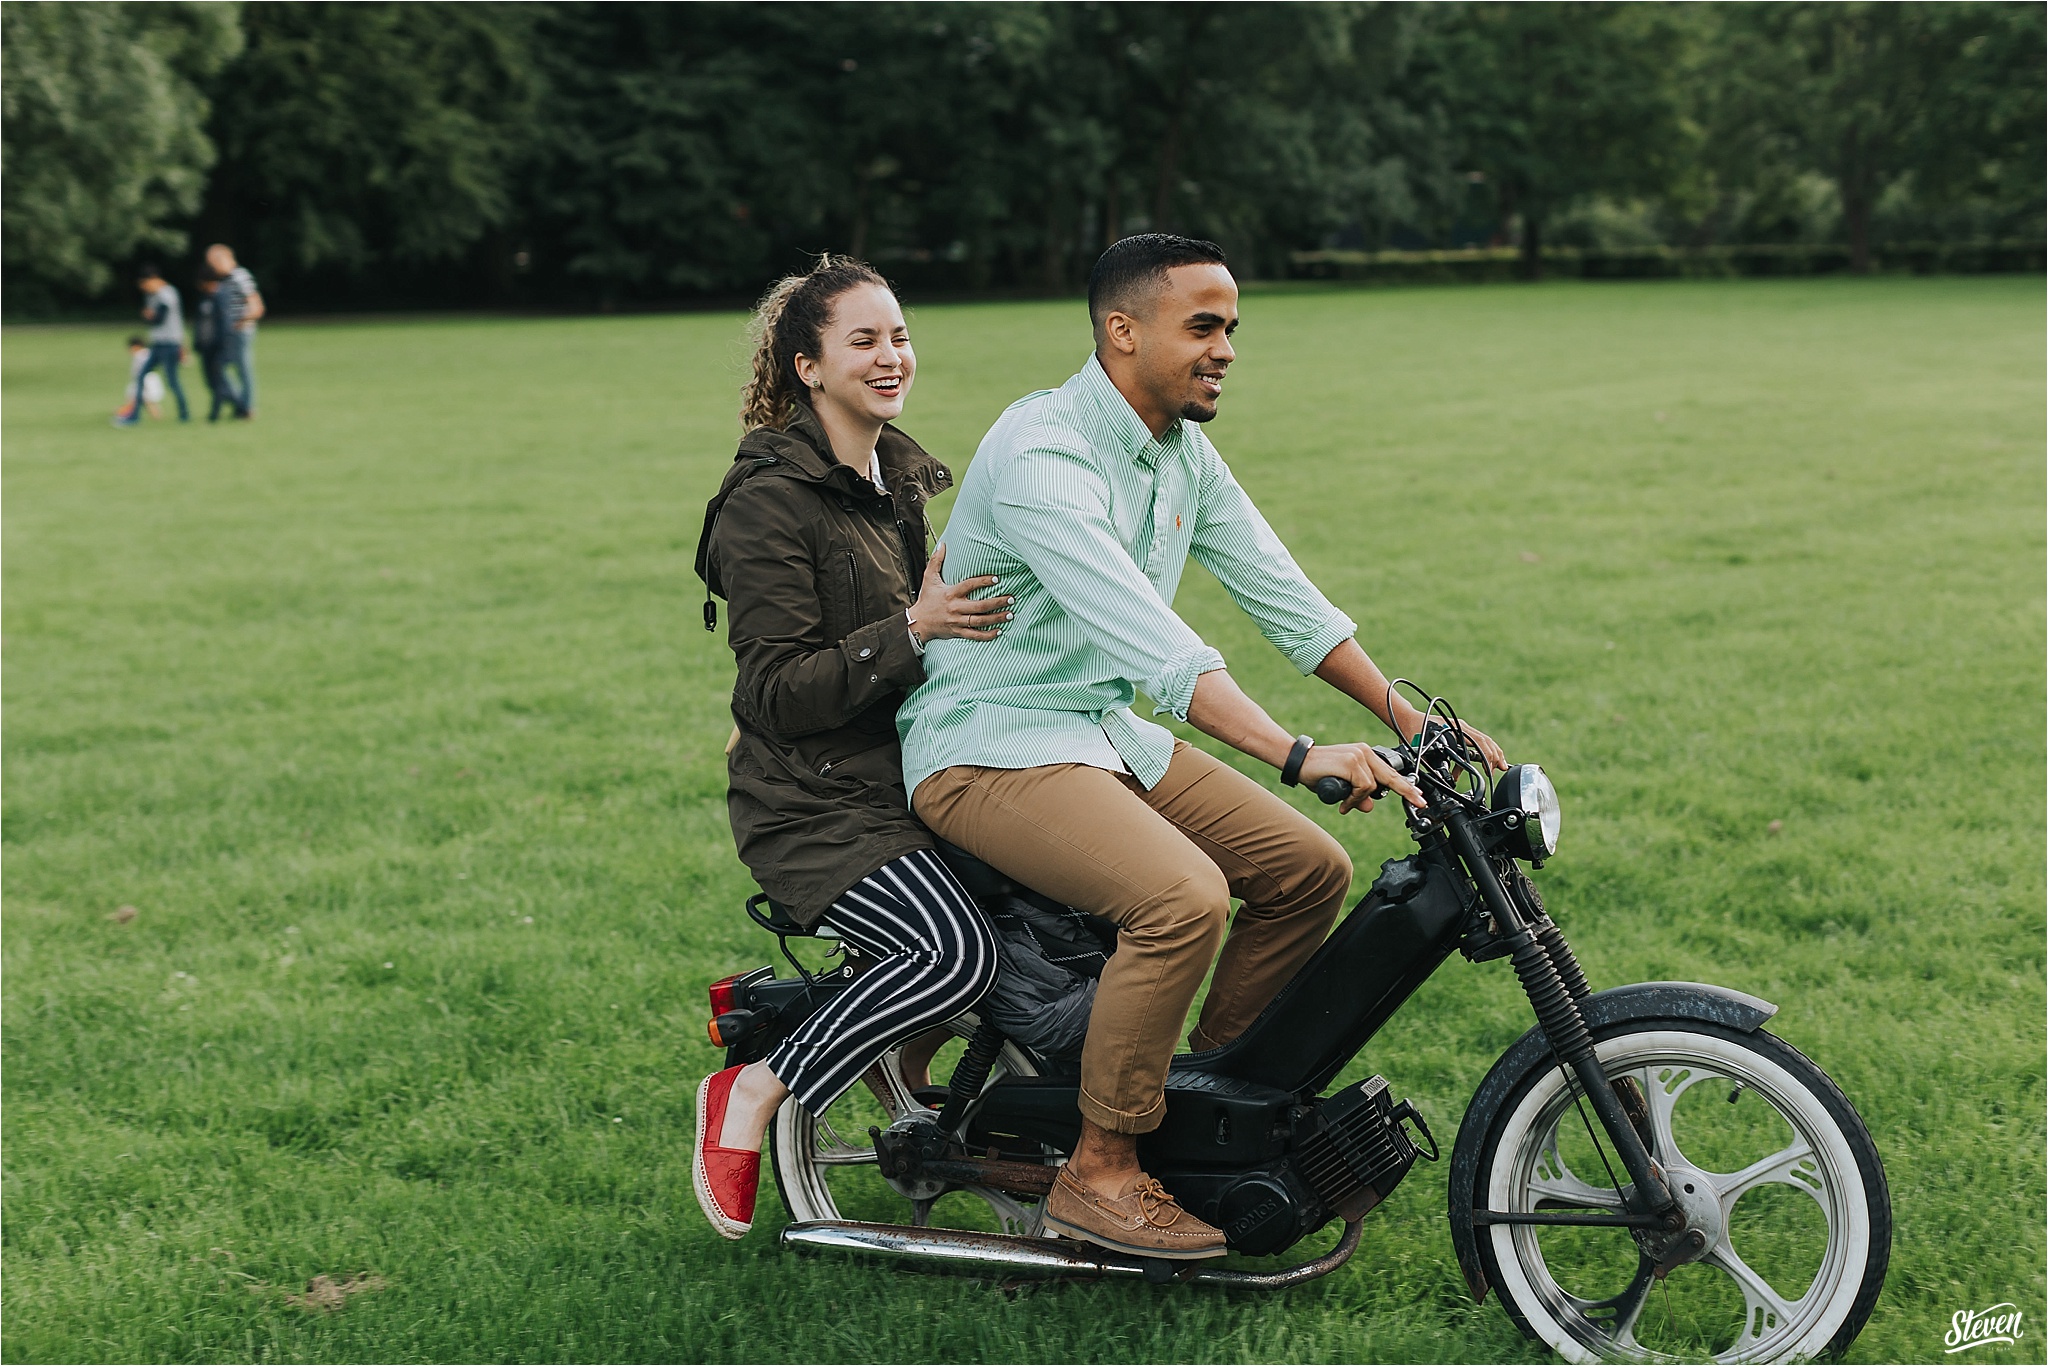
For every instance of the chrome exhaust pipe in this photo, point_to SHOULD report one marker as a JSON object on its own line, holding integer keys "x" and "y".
{"x": 946, "y": 1249}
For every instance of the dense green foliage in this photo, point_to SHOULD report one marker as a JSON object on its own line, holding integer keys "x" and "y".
{"x": 392, "y": 717}
{"x": 359, "y": 136}
{"x": 1881, "y": 98}
{"x": 102, "y": 114}
{"x": 570, "y": 153}
{"x": 1557, "y": 103}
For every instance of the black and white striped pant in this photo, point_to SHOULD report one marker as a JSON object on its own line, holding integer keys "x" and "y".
{"x": 935, "y": 956}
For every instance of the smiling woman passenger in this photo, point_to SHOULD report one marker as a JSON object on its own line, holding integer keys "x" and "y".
{"x": 817, "y": 542}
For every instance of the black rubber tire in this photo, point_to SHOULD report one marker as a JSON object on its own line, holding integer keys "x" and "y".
{"x": 1483, "y": 1131}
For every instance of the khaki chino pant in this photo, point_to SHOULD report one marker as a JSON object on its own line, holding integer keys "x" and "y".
{"x": 1164, "y": 866}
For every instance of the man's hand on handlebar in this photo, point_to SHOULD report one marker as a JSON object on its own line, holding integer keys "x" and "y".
{"x": 1495, "y": 759}
{"x": 1349, "y": 671}
{"x": 1367, "y": 772}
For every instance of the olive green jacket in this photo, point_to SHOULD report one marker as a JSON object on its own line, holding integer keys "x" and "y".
{"x": 817, "y": 569}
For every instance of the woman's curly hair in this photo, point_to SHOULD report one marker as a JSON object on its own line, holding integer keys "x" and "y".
{"x": 789, "y": 322}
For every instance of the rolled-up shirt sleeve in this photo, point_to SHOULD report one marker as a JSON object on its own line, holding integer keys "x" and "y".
{"x": 1234, "y": 542}
{"x": 1055, "y": 517}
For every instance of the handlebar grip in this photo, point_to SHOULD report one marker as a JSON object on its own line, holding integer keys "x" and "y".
{"x": 1332, "y": 789}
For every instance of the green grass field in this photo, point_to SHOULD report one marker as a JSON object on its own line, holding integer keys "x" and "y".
{"x": 393, "y": 716}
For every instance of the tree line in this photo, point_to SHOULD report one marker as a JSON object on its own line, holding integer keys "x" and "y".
{"x": 567, "y": 154}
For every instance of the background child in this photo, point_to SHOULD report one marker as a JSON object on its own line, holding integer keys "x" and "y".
{"x": 152, "y": 383}
{"x": 164, "y": 314}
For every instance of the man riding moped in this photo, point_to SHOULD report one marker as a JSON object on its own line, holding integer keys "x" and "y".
{"x": 1085, "y": 502}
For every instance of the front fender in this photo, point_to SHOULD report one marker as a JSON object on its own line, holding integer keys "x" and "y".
{"x": 1670, "y": 1001}
{"x": 1701, "y": 1001}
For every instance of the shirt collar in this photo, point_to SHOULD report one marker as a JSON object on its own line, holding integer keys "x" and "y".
{"x": 1126, "y": 428}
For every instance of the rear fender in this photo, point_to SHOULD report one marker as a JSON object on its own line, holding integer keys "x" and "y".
{"x": 782, "y": 1004}
{"x": 1700, "y": 1001}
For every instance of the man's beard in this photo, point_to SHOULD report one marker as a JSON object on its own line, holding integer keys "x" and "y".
{"x": 1195, "y": 411}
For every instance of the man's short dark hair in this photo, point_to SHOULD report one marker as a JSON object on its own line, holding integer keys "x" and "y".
{"x": 148, "y": 271}
{"x": 1137, "y": 265}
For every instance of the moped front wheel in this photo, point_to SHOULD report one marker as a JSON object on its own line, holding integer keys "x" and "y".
{"x": 1788, "y": 1216}
{"x": 825, "y": 1165}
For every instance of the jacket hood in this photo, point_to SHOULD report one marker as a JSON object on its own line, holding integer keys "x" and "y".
{"x": 802, "y": 453}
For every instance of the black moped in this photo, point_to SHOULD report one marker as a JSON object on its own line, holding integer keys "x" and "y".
{"x": 1646, "y": 1137}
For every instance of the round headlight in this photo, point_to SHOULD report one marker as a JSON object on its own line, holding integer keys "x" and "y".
{"x": 1526, "y": 790}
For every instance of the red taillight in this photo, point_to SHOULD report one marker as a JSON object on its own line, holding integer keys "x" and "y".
{"x": 722, "y": 994}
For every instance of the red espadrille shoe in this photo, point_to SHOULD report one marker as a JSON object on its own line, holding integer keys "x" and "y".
{"x": 727, "y": 1178}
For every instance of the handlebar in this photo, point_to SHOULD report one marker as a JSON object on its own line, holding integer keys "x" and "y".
{"x": 1334, "y": 789}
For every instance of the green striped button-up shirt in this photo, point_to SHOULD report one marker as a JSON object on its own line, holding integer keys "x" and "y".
{"x": 1089, "y": 520}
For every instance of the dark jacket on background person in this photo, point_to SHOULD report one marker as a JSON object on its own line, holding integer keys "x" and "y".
{"x": 818, "y": 568}
{"x": 205, "y": 323}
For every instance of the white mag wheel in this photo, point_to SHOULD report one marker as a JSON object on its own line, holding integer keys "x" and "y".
{"x": 1772, "y": 1164}
{"x": 825, "y": 1165}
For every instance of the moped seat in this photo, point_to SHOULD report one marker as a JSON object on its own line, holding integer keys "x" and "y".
{"x": 982, "y": 882}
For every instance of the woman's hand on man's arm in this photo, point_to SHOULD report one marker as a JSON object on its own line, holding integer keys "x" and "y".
{"x": 945, "y": 610}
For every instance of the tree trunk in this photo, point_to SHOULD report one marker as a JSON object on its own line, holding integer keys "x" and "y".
{"x": 1169, "y": 164}
{"x": 857, "y": 248}
{"x": 1176, "y": 125}
{"x": 1052, "y": 266}
{"x": 1532, "y": 246}
{"x": 1856, "y": 208}
{"x": 1855, "y": 185}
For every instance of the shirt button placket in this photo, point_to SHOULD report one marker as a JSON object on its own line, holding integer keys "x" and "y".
{"x": 1162, "y": 517}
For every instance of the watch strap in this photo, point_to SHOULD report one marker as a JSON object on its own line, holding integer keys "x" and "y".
{"x": 1290, "y": 772}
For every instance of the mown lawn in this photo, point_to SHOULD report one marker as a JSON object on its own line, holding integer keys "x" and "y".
{"x": 393, "y": 717}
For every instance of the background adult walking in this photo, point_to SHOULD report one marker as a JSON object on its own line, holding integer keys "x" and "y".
{"x": 240, "y": 305}
{"x": 165, "y": 315}
{"x": 207, "y": 340}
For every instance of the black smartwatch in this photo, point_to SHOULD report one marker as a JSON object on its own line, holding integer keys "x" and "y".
{"x": 1290, "y": 772}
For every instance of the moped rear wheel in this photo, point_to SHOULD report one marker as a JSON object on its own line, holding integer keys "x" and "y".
{"x": 825, "y": 1165}
{"x": 1772, "y": 1164}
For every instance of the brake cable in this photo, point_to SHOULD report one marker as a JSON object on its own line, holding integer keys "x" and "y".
{"x": 1459, "y": 751}
{"x": 1579, "y": 1104}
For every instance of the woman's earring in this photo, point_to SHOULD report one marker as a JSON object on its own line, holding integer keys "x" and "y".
{"x": 817, "y": 384}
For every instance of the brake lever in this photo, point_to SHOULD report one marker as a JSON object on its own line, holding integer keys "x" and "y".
{"x": 1334, "y": 789}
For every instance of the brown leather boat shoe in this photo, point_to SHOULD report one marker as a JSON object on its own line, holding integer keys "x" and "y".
{"x": 1144, "y": 1222}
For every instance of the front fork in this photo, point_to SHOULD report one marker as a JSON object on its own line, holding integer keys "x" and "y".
{"x": 1550, "y": 974}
